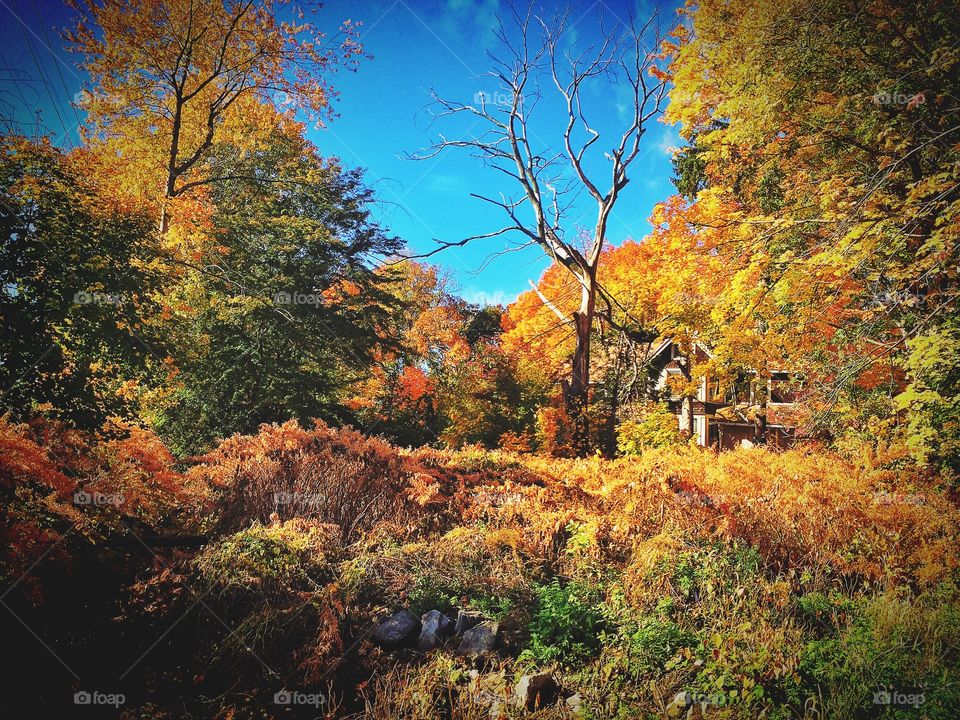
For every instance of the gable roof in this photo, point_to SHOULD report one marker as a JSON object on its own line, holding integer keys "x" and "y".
{"x": 667, "y": 342}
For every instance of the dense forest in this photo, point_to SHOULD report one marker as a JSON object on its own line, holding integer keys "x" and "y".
{"x": 259, "y": 457}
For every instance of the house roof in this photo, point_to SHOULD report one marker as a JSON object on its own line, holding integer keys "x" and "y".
{"x": 667, "y": 342}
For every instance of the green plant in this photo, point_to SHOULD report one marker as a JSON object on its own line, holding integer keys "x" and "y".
{"x": 889, "y": 641}
{"x": 567, "y": 624}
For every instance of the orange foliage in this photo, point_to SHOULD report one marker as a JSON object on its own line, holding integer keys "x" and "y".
{"x": 61, "y": 487}
{"x": 414, "y": 384}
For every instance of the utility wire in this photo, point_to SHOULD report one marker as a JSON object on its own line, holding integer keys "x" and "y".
{"x": 43, "y": 77}
{"x": 66, "y": 90}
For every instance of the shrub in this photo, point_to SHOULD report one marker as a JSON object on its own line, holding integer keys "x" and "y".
{"x": 889, "y": 641}
{"x": 655, "y": 427}
{"x": 465, "y": 568}
{"x": 330, "y": 476}
{"x": 268, "y": 600}
{"x": 567, "y": 624}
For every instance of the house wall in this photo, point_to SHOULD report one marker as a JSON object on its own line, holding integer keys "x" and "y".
{"x": 700, "y": 424}
{"x": 729, "y": 437}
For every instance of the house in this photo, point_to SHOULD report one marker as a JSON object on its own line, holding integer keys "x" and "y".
{"x": 724, "y": 419}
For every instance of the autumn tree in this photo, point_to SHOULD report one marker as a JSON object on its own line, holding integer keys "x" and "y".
{"x": 830, "y": 138}
{"x": 535, "y": 55}
{"x": 665, "y": 286}
{"x": 169, "y": 79}
{"x": 77, "y": 289}
{"x": 440, "y": 372}
{"x": 293, "y": 310}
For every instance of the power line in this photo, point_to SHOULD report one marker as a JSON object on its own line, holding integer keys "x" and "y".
{"x": 43, "y": 77}
{"x": 66, "y": 90}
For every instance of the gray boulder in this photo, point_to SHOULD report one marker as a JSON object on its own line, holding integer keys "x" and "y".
{"x": 397, "y": 629}
{"x": 575, "y": 703}
{"x": 537, "y": 691}
{"x": 465, "y": 621}
{"x": 435, "y": 626}
{"x": 479, "y": 640}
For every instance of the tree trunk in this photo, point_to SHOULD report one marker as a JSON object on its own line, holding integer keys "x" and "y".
{"x": 164, "y": 218}
{"x": 762, "y": 418}
{"x": 688, "y": 375}
{"x": 578, "y": 397}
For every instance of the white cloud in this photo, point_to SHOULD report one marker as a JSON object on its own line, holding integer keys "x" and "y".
{"x": 669, "y": 141}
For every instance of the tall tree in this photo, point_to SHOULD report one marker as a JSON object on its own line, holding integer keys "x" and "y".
{"x": 830, "y": 133}
{"x": 291, "y": 313}
{"x": 540, "y": 205}
{"x": 171, "y": 78}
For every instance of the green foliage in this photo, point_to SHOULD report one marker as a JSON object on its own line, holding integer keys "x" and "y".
{"x": 689, "y": 171}
{"x": 74, "y": 291}
{"x": 434, "y": 592}
{"x": 291, "y": 223}
{"x": 713, "y": 570}
{"x": 656, "y": 427}
{"x": 888, "y": 641}
{"x": 654, "y": 640}
{"x": 933, "y": 398}
{"x": 284, "y": 556}
{"x": 567, "y": 624}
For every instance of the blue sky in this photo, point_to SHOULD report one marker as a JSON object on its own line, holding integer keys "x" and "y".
{"x": 385, "y": 114}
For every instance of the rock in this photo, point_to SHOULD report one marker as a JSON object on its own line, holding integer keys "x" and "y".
{"x": 436, "y": 622}
{"x": 428, "y": 641}
{"x": 479, "y": 640}
{"x": 575, "y": 704}
{"x": 435, "y": 625}
{"x": 678, "y": 706}
{"x": 465, "y": 621}
{"x": 397, "y": 629}
{"x": 537, "y": 691}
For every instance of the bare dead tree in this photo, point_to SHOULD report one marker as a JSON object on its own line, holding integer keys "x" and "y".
{"x": 543, "y": 187}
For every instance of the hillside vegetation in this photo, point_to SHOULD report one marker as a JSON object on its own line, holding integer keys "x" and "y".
{"x": 793, "y": 584}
